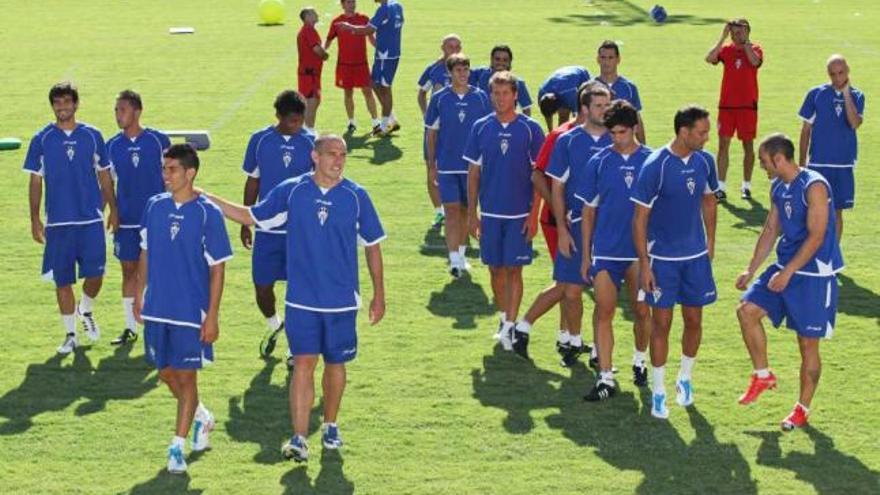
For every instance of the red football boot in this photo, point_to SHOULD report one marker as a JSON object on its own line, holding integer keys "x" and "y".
{"x": 756, "y": 387}
{"x": 796, "y": 419}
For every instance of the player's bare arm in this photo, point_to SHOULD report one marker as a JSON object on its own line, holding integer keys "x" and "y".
{"x": 35, "y": 197}
{"x": 473, "y": 189}
{"x": 374, "y": 265}
{"x": 640, "y": 239}
{"x": 712, "y": 56}
{"x": 710, "y": 218}
{"x": 251, "y": 191}
{"x": 804, "y": 143}
{"x": 763, "y": 248}
{"x": 588, "y": 222}
{"x": 211, "y": 325}
{"x": 557, "y": 201}
{"x": 852, "y": 113}
{"x": 817, "y": 223}
{"x": 105, "y": 179}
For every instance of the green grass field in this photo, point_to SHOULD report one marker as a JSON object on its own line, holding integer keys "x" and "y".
{"x": 431, "y": 408}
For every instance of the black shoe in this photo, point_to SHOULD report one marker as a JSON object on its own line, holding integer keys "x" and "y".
{"x": 267, "y": 344}
{"x": 456, "y": 272}
{"x": 126, "y": 337}
{"x": 600, "y": 391}
{"x": 351, "y": 128}
{"x": 640, "y": 376}
{"x": 393, "y": 128}
{"x": 570, "y": 357}
{"x": 594, "y": 362}
{"x": 521, "y": 344}
{"x": 377, "y": 130}
{"x": 746, "y": 194}
{"x": 720, "y": 195}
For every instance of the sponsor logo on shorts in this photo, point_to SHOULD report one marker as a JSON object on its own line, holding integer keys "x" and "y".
{"x": 814, "y": 328}
{"x": 350, "y": 351}
{"x": 711, "y": 293}
{"x": 523, "y": 257}
{"x": 192, "y": 360}
{"x": 657, "y": 293}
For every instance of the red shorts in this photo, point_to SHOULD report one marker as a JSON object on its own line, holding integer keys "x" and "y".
{"x": 551, "y": 237}
{"x": 350, "y": 76}
{"x": 309, "y": 83}
{"x": 742, "y": 121}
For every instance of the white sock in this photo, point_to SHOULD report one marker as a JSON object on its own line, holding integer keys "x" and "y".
{"x": 639, "y": 358}
{"x": 439, "y": 210}
{"x": 502, "y": 316}
{"x": 563, "y": 337}
{"x": 506, "y": 326}
{"x": 178, "y": 442}
{"x": 454, "y": 258}
{"x": 594, "y": 351}
{"x": 69, "y": 322}
{"x": 384, "y": 123}
{"x": 86, "y": 304}
{"x": 659, "y": 374}
{"x": 722, "y": 185}
{"x": 462, "y": 251}
{"x": 762, "y": 373}
{"x": 523, "y": 326}
{"x": 607, "y": 377}
{"x": 687, "y": 367}
{"x": 746, "y": 184}
{"x": 352, "y": 122}
{"x": 576, "y": 341}
{"x": 392, "y": 117}
{"x": 274, "y": 322}
{"x": 128, "y": 312}
{"x": 377, "y": 122}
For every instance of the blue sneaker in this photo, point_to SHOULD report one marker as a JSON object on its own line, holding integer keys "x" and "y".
{"x": 176, "y": 463}
{"x": 684, "y": 392}
{"x": 330, "y": 438}
{"x": 296, "y": 448}
{"x": 658, "y": 406}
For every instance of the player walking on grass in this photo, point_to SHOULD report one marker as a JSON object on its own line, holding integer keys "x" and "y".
{"x": 832, "y": 113}
{"x": 136, "y": 157}
{"x": 451, "y": 113}
{"x": 184, "y": 251}
{"x": 738, "y": 106}
{"x": 72, "y": 159}
{"x": 621, "y": 88}
{"x": 274, "y": 154}
{"x": 435, "y": 77}
{"x": 352, "y": 70}
{"x": 311, "y": 60}
{"x": 674, "y": 236}
{"x": 801, "y": 286}
{"x": 501, "y": 150}
{"x": 608, "y": 256}
{"x": 327, "y": 216}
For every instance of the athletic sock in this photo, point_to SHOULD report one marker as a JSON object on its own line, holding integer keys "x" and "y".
{"x": 178, "y": 442}
{"x": 454, "y": 259}
{"x": 274, "y": 322}
{"x": 763, "y": 373}
{"x": 746, "y": 185}
{"x": 462, "y": 251}
{"x": 722, "y": 186}
{"x": 638, "y": 358}
{"x": 576, "y": 341}
{"x": 659, "y": 374}
{"x": 563, "y": 337}
{"x": 594, "y": 351}
{"x": 384, "y": 123}
{"x": 86, "y": 304}
{"x": 128, "y": 312}
{"x": 607, "y": 377}
{"x": 687, "y": 367}
{"x": 523, "y": 326}
{"x": 377, "y": 122}
{"x": 69, "y": 323}
{"x": 439, "y": 210}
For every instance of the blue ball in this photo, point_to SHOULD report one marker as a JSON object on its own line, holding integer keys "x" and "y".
{"x": 658, "y": 13}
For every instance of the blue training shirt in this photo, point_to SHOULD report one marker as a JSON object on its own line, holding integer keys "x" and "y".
{"x": 324, "y": 228}
{"x": 792, "y": 206}
{"x": 273, "y": 158}
{"x": 181, "y": 243}
{"x": 568, "y": 163}
{"x": 137, "y": 165}
{"x": 673, "y": 188}
{"x": 388, "y": 23}
{"x": 434, "y": 77}
{"x": 452, "y": 115}
{"x": 67, "y": 161}
{"x": 833, "y": 142}
{"x": 480, "y": 78}
{"x": 505, "y": 153}
{"x": 564, "y": 83}
{"x": 623, "y": 89}
{"x": 606, "y": 186}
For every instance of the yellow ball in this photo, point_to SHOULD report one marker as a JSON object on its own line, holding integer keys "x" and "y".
{"x": 272, "y": 11}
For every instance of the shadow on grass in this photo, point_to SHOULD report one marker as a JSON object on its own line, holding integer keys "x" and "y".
{"x": 623, "y": 13}
{"x": 434, "y": 244}
{"x": 827, "y": 469}
{"x": 463, "y": 300}
{"x": 331, "y": 478}
{"x": 118, "y": 377}
{"x": 383, "y": 148}
{"x": 262, "y": 415}
{"x": 751, "y": 218}
{"x": 856, "y": 300}
{"x": 165, "y": 482}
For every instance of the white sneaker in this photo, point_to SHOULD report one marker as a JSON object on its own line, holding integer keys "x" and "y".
{"x": 504, "y": 337}
{"x": 68, "y": 345}
{"x": 202, "y": 427}
{"x": 93, "y": 332}
{"x": 176, "y": 463}
{"x": 684, "y": 392}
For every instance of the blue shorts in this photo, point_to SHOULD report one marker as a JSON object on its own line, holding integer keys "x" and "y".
{"x": 383, "y": 71}
{"x": 453, "y": 188}
{"x": 332, "y": 335}
{"x": 616, "y": 270}
{"x": 69, "y": 246}
{"x": 843, "y": 185}
{"x": 175, "y": 346}
{"x": 127, "y": 244}
{"x": 808, "y": 304}
{"x": 568, "y": 270}
{"x": 503, "y": 243}
{"x": 686, "y": 282}
{"x": 269, "y": 258}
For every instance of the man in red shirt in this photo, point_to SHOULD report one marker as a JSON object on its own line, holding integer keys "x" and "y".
{"x": 738, "y": 106}
{"x": 352, "y": 70}
{"x": 311, "y": 60}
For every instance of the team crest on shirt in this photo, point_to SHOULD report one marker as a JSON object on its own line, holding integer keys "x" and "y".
{"x": 175, "y": 229}
{"x": 70, "y": 152}
{"x": 461, "y": 115}
{"x": 838, "y": 109}
{"x": 504, "y": 146}
{"x": 787, "y": 208}
{"x": 323, "y": 213}
{"x": 692, "y": 185}
{"x": 628, "y": 178}
{"x": 286, "y": 157}
{"x": 135, "y": 159}
{"x": 738, "y": 63}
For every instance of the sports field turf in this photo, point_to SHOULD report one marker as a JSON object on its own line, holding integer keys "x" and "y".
{"x": 431, "y": 408}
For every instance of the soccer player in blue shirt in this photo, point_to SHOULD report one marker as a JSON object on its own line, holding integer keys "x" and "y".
{"x": 608, "y": 59}
{"x": 436, "y": 77}
{"x": 674, "y": 236}
{"x": 180, "y": 283}
{"x": 608, "y": 256}
{"x": 501, "y": 149}
{"x": 832, "y": 113}
{"x": 67, "y": 154}
{"x": 274, "y": 154}
{"x": 327, "y": 216}
{"x": 387, "y": 24}
{"x": 558, "y": 94}
{"x": 801, "y": 286}
{"x": 448, "y": 121}
{"x": 136, "y": 156}
{"x": 501, "y": 59}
